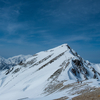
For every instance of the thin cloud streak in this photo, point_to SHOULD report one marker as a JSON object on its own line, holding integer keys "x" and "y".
{"x": 50, "y": 23}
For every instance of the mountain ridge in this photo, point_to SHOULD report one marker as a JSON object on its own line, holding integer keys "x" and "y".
{"x": 12, "y": 61}
{"x": 49, "y": 75}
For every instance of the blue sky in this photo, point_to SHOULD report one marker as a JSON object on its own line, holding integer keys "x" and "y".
{"x": 30, "y": 26}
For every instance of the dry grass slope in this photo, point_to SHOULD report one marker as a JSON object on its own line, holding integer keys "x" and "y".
{"x": 62, "y": 98}
{"x": 94, "y": 95}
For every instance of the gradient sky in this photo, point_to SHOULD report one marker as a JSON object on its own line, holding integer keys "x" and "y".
{"x": 30, "y": 26}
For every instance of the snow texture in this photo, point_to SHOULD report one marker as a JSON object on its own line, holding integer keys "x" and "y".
{"x": 56, "y": 73}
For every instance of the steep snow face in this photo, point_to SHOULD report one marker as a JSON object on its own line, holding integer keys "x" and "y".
{"x": 7, "y": 63}
{"x": 47, "y": 75}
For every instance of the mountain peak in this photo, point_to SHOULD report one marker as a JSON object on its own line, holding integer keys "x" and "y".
{"x": 12, "y": 61}
{"x": 48, "y": 73}
{"x": 64, "y": 44}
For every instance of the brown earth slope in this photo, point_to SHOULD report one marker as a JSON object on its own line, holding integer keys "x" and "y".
{"x": 94, "y": 95}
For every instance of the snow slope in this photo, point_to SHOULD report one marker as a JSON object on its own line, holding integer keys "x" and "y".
{"x": 49, "y": 75}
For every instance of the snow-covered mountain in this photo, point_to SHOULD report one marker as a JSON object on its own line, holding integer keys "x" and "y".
{"x": 7, "y": 63}
{"x": 48, "y": 75}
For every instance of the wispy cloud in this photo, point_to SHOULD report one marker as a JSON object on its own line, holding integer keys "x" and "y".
{"x": 78, "y": 38}
{"x": 65, "y": 12}
{"x": 72, "y": 11}
{"x": 11, "y": 27}
{"x": 8, "y": 16}
{"x": 51, "y": 39}
{"x": 5, "y": 1}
